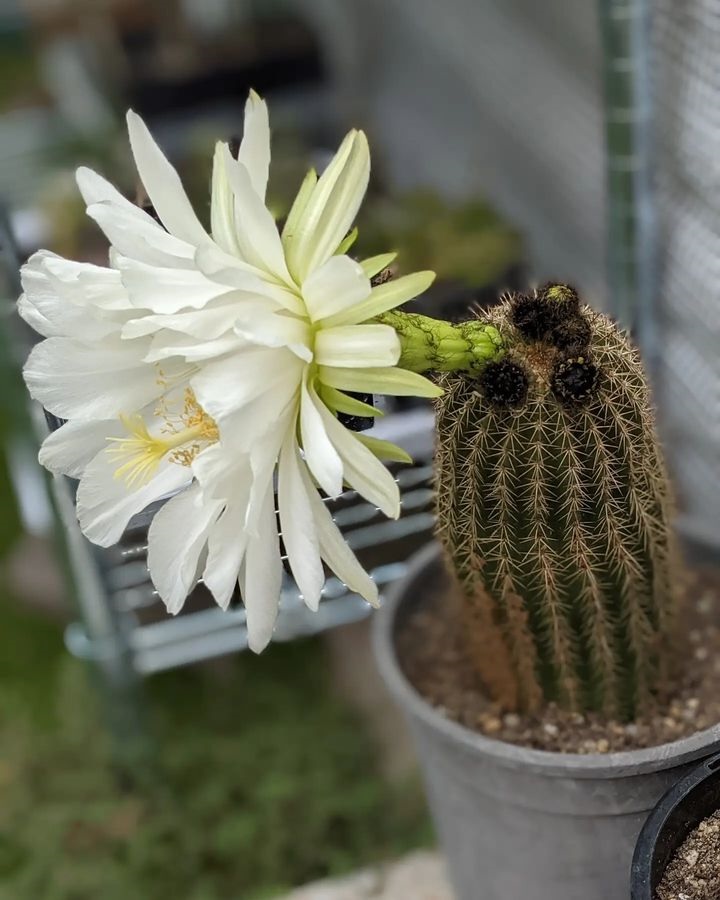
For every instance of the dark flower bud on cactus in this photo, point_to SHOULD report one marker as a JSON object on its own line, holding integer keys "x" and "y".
{"x": 554, "y": 514}
{"x": 531, "y": 315}
{"x": 572, "y": 335}
{"x": 574, "y": 379}
{"x": 536, "y": 314}
{"x": 562, "y": 298}
{"x": 504, "y": 383}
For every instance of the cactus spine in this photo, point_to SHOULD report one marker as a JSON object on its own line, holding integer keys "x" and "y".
{"x": 553, "y": 509}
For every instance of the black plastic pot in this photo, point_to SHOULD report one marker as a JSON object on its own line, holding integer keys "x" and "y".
{"x": 680, "y": 811}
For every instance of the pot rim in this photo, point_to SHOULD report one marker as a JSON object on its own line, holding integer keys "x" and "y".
{"x": 644, "y": 877}
{"x": 550, "y": 763}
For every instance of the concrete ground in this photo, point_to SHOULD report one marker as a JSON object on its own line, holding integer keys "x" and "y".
{"x": 419, "y": 876}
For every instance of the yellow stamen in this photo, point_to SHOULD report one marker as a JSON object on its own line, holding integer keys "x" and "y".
{"x": 142, "y": 452}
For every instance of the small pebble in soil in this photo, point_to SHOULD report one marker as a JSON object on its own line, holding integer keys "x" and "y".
{"x": 694, "y": 872}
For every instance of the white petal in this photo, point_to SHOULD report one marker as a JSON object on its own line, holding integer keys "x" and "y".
{"x": 254, "y": 152}
{"x": 166, "y": 290}
{"x": 84, "y": 380}
{"x": 168, "y": 343}
{"x": 96, "y": 189}
{"x": 262, "y": 577}
{"x": 384, "y": 297}
{"x": 217, "y": 472}
{"x": 234, "y": 272}
{"x": 227, "y": 541}
{"x": 127, "y": 226}
{"x": 55, "y": 311}
{"x": 225, "y": 386}
{"x": 162, "y": 184}
{"x": 256, "y": 230}
{"x": 294, "y": 217}
{"x": 176, "y": 538}
{"x": 223, "y": 475}
{"x": 384, "y": 380}
{"x": 363, "y": 471}
{"x": 320, "y": 455}
{"x": 74, "y": 445}
{"x": 332, "y": 207}
{"x": 215, "y": 319}
{"x": 90, "y": 285}
{"x": 259, "y": 429}
{"x": 336, "y": 552}
{"x": 298, "y": 526}
{"x": 105, "y": 504}
{"x": 336, "y": 286}
{"x": 357, "y": 346}
{"x": 35, "y": 319}
{"x": 141, "y": 239}
{"x": 222, "y": 204}
{"x": 260, "y": 325}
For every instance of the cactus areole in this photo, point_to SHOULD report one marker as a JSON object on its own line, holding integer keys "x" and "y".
{"x": 552, "y": 501}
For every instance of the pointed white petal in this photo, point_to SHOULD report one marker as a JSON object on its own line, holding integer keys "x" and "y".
{"x": 362, "y": 470}
{"x": 384, "y": 297}
{"x": 227, "y": 542}
{"x": 336, "y": 286}
{"x": 336, "y": 552}
{"x": 74, "y": 445}
{"x": 357, "y": 346}
{"x": 222, "y": 204}
{"x": 105, "y": 504}
{"x": 257, "y": 234}
{"x": 254, "y": 152}
{"x": 294, "y": 217}
{"x": 163, "y": 185}
{"x": 298, "y": 526}
{"x": 320, "y": 455}
{"x": 177, "y": 536}
{"x": 385, "y": 380}
{"x": 332, "y": 207}
{"x": 89, "y": 380}
{"x": 141, "y": 239}
{"x": 127, "y": 226}
{"x": 261, "y": 580}
{"x": 96, "y": 189}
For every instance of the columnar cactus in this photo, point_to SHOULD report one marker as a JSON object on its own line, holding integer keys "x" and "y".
{"x": 553, "y": 510}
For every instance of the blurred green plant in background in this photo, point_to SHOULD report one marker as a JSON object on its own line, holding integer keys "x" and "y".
{"x": 465, "y": 242}
{"x": 263, "y": 780}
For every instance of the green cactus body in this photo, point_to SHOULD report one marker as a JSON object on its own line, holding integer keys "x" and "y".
{"x": 553, "y": 512}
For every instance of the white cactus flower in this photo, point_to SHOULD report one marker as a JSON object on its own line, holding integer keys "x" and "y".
{"x": 213, "y": 367}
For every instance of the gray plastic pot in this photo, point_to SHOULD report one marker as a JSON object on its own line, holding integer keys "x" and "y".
{"x": 522, "y": 824}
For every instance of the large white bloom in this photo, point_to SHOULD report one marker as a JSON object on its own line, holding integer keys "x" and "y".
{"x": 217, "y": 364}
